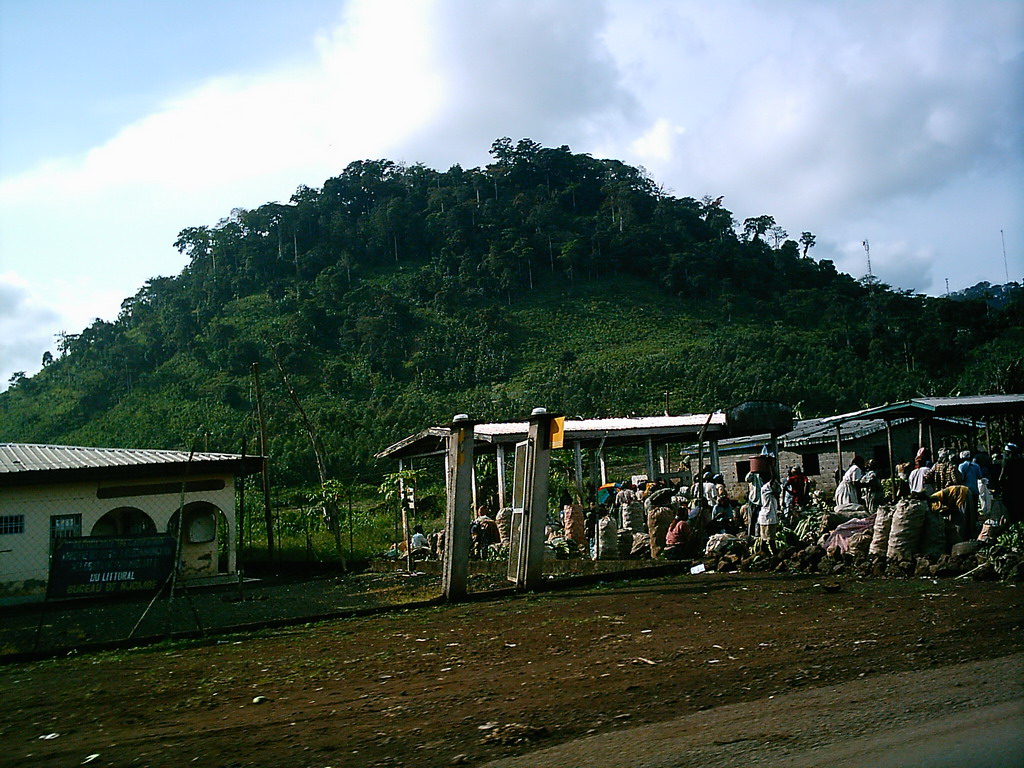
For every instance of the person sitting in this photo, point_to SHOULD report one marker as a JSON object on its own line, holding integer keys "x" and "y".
{"x": 420, "y": 544}
{"x": 677, "y": 538}
{"x": 484, "y": 532}
{"x": 723, "y": 517}
{"x": 419, "y": 538}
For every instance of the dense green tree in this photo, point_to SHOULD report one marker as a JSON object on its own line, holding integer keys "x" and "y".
{"x": 395, "y": 296}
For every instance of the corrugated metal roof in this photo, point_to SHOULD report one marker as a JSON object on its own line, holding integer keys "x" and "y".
{"x": 823, "y": 431}
{"x": 580, "y": 426}
{"x": 29, "y": 457}
{"x": 975, "y": 406}
{"x": 429, "y": 441}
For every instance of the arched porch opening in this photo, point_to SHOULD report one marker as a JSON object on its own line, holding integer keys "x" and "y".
{"x": 124, "y": 521}
{"x": 207, "y": 542}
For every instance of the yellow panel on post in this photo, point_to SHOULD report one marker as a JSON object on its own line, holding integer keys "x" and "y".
{"x": 558, "y": 432}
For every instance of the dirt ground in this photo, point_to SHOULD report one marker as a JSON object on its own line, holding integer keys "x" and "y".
{"x": 470, "y": 684}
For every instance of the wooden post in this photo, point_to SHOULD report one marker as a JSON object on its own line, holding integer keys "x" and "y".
{"x": 713, "y": 448}
{"x": 460, "y": 511}
{"x": 931, "y": 441}
{"x": 603, "y": 461}
{"x": 699, "y": 477}
{"x": 839, "y": 453}
{"x": 405, "y": 517}
{"x": 500, "y": 463}
{"x": 663, "y": 459}
{"x": 889, "y": 443}
{"x": 240, "y": 517}
{"x": 265, "y": 474}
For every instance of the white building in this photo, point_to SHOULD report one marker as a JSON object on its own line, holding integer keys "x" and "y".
{"x": 50, "y": 492}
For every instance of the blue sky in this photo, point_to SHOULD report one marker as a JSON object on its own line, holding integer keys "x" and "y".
{"x": 122, "y": 123}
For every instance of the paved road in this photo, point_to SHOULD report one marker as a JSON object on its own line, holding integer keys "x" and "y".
{"x": 964, "y": 715}
{"x": 989, "y": 737}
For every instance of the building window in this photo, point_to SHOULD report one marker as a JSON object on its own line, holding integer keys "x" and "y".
{"x": 64, "y": 527}
{"x": 880, "y": 453}
{"x": 12, "y": 524}
{"x": 810, "y": 463}
{"x": 742, "y": 470}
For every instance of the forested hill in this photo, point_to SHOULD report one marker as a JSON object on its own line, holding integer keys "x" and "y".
{"x": 396, "y": 296}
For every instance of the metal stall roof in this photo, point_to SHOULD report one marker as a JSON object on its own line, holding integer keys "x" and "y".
{"x": 973, "y": 406}
{"x": 588, "y": 432}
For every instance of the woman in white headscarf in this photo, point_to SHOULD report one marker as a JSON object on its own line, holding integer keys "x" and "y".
{"x": 846, "y": 493}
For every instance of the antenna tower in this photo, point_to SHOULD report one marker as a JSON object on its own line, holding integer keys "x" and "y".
{"x": 867, "y": 250}
{"x": 1005, "y": 268}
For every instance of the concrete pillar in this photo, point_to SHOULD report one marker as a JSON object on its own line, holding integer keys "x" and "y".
{"x": 530, "y": 569}
{"x": 650, "y": 459}
{"x": 455, "y": 578}
{"x": 501, "y": 476}
{"x": 715, "y": 465}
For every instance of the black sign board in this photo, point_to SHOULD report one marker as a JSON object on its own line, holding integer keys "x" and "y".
{"x": 101, "y": 566}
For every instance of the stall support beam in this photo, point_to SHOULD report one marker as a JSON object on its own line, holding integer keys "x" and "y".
{"x": 839, "y": 454}
{"x": 501, "y": 476}
{"x": 577, "y": 452}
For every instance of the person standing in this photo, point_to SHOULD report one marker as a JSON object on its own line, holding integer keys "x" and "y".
{"x": 1011, "y": 483}
{"x": 919, "y": 482}
{"x": 871, "y": 487}
{"x": 944, "y": 472}
{"x": 768, "y": 516}
{"x": 846, "y": 493}
{"x": 754, "y": 482}
{"x": 970, "y": 474}
{"x": 794, "y": 491}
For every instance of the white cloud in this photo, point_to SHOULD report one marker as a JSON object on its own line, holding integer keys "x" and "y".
{"x": 372, "y": 85}
{"x": 896, "y": 122}
{"x": 25, "y": 323}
